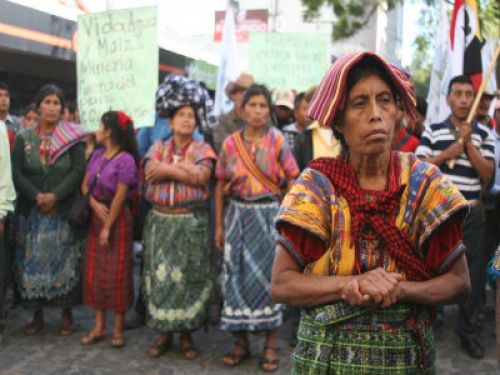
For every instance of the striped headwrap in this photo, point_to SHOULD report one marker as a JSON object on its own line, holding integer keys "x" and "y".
{"x": 330, "y": 96}
{"x": 176, "y": 91}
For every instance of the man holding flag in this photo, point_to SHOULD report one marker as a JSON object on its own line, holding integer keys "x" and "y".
{"x": 470, "y": 147}
{"x": 460, "y": 50}
{"x": 463, "y": 150}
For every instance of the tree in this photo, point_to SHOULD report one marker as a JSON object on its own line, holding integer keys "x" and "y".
{"x": 351, "y": 15}
{"x": 489, "y": 15}
{"x": 421, "y": 64}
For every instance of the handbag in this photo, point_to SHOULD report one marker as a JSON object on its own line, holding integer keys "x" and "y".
{"x": 79, "y": 214}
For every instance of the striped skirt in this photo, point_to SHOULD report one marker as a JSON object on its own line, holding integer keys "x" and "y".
{"x": 250, "y": 242}
{"x": 47, "y": 261}
{"x": 108, "y": 270}
{"x": 340, "y": 339}
{"x": 178, "y": 275}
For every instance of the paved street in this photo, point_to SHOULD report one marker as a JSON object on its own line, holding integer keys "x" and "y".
{"x": 49, "y": 353}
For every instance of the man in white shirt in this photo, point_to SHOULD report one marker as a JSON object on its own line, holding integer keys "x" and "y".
{"x": 11, "y": 122}
{"x": 7, "y": 197}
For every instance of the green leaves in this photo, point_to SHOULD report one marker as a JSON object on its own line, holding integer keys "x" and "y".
{"x": 350, "y": 15}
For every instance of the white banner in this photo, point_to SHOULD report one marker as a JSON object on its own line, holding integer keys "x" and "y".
{"x": 228, "y": 68}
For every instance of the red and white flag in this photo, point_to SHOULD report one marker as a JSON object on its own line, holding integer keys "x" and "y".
{"x": 466, "y": 42}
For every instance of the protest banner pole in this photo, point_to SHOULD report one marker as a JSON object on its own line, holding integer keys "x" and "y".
{"x": 473, "y": 109}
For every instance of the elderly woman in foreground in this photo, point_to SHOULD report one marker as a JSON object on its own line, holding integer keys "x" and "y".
{"x": 371, "y": 240}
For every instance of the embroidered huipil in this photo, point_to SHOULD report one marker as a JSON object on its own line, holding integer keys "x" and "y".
{"x": 170, "y": 193}
{"x": 271, "y": 155}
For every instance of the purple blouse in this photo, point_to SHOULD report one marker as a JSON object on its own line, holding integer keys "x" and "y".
{"x": 121, "y": 169}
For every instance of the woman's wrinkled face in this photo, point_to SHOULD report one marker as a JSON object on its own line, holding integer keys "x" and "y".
{"x": 369, "y": 117}
{"x": 184, "y": 121}
{"x": 256, "y": 111}
{"x": 50, "y": 109}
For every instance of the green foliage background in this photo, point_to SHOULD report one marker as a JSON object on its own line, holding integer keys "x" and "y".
{"x": 352, "y": 15}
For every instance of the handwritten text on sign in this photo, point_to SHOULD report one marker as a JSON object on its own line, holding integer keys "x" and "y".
{"x": 117, "y": 65}
{"x": 288, "y": 60}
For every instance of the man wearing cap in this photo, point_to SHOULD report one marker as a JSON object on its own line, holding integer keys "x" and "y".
{"x": 233, "y": 120}
{"x": 283, "y": 107}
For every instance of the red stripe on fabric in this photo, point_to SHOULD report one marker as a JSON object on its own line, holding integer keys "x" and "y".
{"x": 456, "y": 7}
{"x": 121, "y": 262}
{"x": 91, "y": 265}
{"x": 476, "y": 79}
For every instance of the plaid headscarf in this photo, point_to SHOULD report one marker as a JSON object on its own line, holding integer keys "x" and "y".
{"x": 378, "y": 214}
{"x": 177, "y": 90}
{"x": 330, "y": 96}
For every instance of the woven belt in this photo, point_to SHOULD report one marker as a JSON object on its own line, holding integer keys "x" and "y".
{"x": 173, "y": 210}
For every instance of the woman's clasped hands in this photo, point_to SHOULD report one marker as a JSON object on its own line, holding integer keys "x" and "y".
{"x": 375, "y": 288}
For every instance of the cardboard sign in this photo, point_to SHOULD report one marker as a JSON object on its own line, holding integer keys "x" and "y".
{"x": 117, "y": 65}
{"x": 288, "y": 60}
{"x": 202, "y": 71}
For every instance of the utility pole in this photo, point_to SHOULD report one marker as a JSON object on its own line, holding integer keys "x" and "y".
{"x": 274, "y": 16}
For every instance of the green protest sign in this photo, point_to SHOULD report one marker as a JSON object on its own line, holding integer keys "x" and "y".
{"x": 288, "y": 60}
{"x": 117, "y": 65}
{"x": 202, "y": 71}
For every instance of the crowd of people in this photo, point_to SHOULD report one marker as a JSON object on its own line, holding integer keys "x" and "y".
{"x": 336, "y": 204}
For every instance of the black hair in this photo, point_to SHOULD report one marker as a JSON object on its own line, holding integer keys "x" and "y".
{"x": 367, "y": 66}
{"x": 421, "y": 106}
{"x": 124, "y": 138}
{"x": 255, "y": 90}
{"x": 4, "y": 86}
{"x": 171, "y": 112}
{"x": 72, "y": 107}
{"x": 298, "y": 99}
{"x": 459, "y": 79}
{"x": 29, "y": 108}
{"x": 47, "y": 90}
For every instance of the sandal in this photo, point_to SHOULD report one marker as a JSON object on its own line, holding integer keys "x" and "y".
{"x": 269, "y": 364}
{"x": 92, "y": 338}
{"x": 239, "y": 353}
{"x": 118, "y": 341}
{"x": 159, "y": 347}
{"x": 34, "y": 327}
{"x": 187, "y": 346}
{"x": 66, "y": 330}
